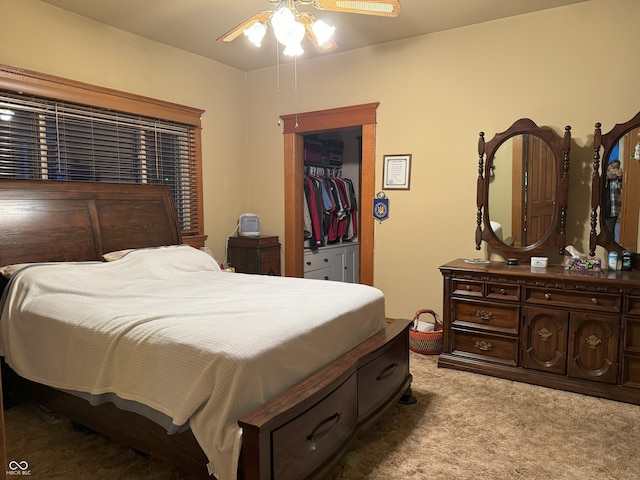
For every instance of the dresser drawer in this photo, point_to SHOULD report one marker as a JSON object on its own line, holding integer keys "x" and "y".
{"x": 631, "y": 371}
{"x": 379, "y": 379}
{"x": 470, "y": 288}
{"x": 319, "y": 274}
{"x": 503, "y": 291}
{"x": 604, "y": 302}
{"x": 633, "y": 305}
{"x": 317, "y": 435}
{"x": 497, "y": 317}
{"x": 487, "y": 347}
{"x": 477, "y": 288}
{"x": 631, "y": 335}
{"x": 270, "y": 255}
{"x": 314, "y": 261}
{"x": 271, "y": 267}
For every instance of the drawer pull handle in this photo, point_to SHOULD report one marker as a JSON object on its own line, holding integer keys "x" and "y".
{"x": 484, "y": 346}
{"x": 468, "y": 288}
{"x": 545, "y": 335}
{"x": 387, "y": 372}
{"x": 594, "y": 300}
{"x": 324, "y": 427}
{"x": 326, "y": 260}
{"x": 502, "y": 292}
{"x": 484, "y": 315}
{"x": 309, "y": 263}
{"x": 547, "y": 296}
{"x": 593, "y": 341}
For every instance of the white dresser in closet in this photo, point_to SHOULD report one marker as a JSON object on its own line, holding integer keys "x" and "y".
{"x": 339, "y": 262}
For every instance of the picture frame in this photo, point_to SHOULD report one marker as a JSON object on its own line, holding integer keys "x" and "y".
{"x": 396, "y": 172}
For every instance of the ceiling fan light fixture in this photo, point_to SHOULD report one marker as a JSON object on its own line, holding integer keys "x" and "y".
{"x": 282, "y": 22}
{"x": 290, "y": 25}
{"x": 323, "y": 31}
{"x": 288, "y": 31}
{"x": 293, "y": 50}
{"x": 255, "y": 33}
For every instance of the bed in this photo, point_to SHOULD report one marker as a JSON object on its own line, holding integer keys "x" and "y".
{"x": 304, "y": 415}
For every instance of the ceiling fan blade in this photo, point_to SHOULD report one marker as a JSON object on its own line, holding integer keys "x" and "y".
{"x": 383, "y": 8}
{"x": 236, "y": 31}
{"x": 307, "y": 20}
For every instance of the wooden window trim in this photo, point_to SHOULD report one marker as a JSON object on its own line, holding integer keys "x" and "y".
{"x": 40, "y": 84}
{"x": 295, "y": 127}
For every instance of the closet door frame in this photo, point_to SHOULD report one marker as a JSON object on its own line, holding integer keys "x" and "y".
{"x": 295, "y": 127}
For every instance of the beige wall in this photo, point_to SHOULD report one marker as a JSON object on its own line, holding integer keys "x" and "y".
{"x": 573, "y": 65}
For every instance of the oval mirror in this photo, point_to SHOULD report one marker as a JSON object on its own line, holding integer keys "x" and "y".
{"x": 522, "y": 190}
{"x": 616, "y": 181}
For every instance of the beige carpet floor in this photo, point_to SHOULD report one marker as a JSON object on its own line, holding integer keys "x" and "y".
{"x": 464, "y": 426}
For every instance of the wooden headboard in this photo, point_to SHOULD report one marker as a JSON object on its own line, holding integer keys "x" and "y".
{"x": 78, "y": 221}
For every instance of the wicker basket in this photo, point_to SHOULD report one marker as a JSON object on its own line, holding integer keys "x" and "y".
{"x": 426, "y": 343}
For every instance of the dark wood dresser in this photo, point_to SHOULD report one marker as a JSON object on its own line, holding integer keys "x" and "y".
{"x": 254, "y": 255}
{"x": 568, "y": 330}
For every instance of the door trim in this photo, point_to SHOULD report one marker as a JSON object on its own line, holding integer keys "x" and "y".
{"x": 299, "y": 124}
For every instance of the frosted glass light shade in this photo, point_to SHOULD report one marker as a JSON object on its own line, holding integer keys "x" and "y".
{"x": 322, "y": 31}
{"x": 288, "y": 31}
{"x": 255, "y": 33}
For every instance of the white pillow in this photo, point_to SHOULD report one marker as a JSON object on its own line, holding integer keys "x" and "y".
{"x": 111, "y": 256}
{"x": 9, "y": 270}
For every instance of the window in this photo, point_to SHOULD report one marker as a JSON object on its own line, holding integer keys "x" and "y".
{"x": 51, "y": 138}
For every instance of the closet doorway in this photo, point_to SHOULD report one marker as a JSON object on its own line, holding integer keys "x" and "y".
{"x": 295, "y": 127}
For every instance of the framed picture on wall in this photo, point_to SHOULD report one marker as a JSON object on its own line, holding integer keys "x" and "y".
{"x": 397, "y": 172}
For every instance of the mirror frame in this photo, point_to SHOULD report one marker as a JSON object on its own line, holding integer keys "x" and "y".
{"x": 604, "y": 237}
{"x": 560, "y": 147}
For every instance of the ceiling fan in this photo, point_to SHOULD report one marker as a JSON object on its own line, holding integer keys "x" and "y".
{"x": 291, "y": 25}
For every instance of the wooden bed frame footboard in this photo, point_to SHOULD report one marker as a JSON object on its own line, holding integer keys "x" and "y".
{"x": 301, "y": 433}
{"x": 304, "y": 432}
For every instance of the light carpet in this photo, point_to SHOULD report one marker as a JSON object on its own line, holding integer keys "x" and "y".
{"x": 464, "y": 426}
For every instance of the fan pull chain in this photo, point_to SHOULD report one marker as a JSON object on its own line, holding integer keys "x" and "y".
{"x": 295, "y": 86}
{"x": 278, "y": 81}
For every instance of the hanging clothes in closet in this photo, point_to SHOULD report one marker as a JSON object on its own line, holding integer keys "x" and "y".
{"x": 330, "y": 207}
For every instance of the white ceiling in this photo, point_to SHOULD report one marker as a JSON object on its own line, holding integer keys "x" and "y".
{"x": 194, "y": 25}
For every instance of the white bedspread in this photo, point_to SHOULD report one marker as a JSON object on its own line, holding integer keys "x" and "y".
{"x": 167, "y": 328}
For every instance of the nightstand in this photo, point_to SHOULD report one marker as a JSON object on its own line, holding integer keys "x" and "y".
{"x": 254, "y": 255}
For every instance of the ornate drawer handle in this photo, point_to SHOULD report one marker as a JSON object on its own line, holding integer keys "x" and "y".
{"x": 468, "y": 288}
{"x": 544, "y": 334}
{"x": 547, "y": 296}
{"x": 593, "y": 341}
{"x": 594, "y": 301}
{"x": 324, "y": 427}
{"x": 484, "y": 315}
{"x": 502, "y": 292}
{"x": 484, "y": 346}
